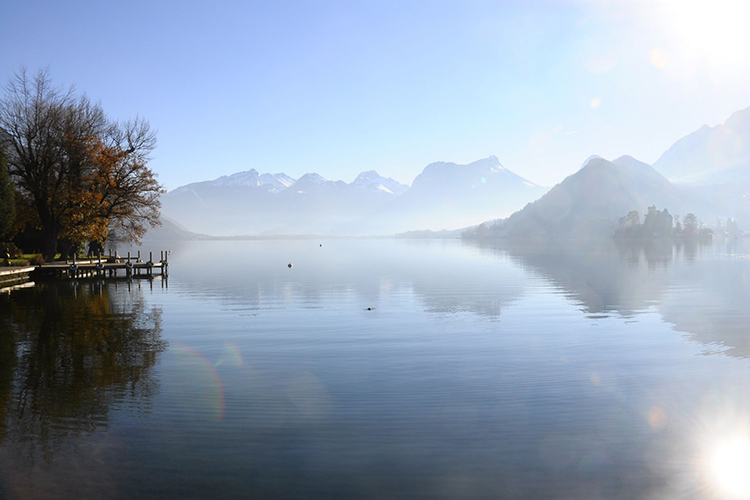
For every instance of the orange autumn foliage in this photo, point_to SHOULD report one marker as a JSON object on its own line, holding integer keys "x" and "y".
{"x": 110, "y": 188}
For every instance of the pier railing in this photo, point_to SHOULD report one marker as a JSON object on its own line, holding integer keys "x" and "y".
{"x": 107, "y": 267}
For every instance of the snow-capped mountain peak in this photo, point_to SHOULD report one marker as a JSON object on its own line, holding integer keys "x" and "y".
{"x": 247, "y": 178}
{"x": 311, "y": 178}
{"x": 372, "y": 181}
{"x": 276, "y": 182}
{"x": 272, "y": 183}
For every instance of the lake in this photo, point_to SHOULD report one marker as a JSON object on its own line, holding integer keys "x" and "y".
{"x": 384, "y": 368}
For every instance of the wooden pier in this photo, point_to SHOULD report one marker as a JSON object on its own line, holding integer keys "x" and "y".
{"x": 107, "y": 267}
{"x": 11, "y": 277}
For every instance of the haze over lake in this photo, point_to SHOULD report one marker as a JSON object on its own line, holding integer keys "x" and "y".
{"x": 417, "y": 250}
{"x": 384, "y": 369}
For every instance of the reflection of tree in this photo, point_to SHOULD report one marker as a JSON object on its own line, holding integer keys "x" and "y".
{"x": 68, "y": 355}
{"x": 7, "y": 364}
{"x": 656, "y": 251}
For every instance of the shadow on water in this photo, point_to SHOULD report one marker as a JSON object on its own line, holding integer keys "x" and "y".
{"x": 70, "y": 354}
{"x": 700, "y": 288}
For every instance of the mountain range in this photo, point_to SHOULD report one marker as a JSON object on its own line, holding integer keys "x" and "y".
{"x": 444, "y": 195}
{"x": 710, "y": 155}
{"x": 710, "y": 177}
{"x": 706, "y": 172}
{"x": 590, "y": 202}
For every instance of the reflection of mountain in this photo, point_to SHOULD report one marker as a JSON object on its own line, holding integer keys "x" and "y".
{"x": 590, "y": 202}
{"x": 69, "y": 355}
{"x": 706, "y": 297}
{"x": 374, "y": 271}
{"x": 603, "y": 279}
{"x": 719, "y": 300}
{"x": 444, "y": 195}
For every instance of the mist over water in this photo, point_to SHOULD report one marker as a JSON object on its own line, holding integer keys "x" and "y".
{"x": 383, "y": 369}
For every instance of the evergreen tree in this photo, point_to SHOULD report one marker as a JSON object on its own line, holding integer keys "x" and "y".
{"x": 7, "y": 199}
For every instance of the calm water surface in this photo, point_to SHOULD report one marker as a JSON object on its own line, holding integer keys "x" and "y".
{"x": 384, "y": 369}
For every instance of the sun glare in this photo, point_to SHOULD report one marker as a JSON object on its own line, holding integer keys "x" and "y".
{"x": 728, "y": 467}
{"x": 713, "y": 31}
{"x": 724, "y": 449}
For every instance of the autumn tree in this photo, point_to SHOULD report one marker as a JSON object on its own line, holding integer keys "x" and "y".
{"x": 81, "y": 172}
{"x": 114, "y": 190}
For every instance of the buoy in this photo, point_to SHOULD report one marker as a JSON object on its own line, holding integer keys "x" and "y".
{"x": 289, "y": 265}
{"x": 369, "y": 308}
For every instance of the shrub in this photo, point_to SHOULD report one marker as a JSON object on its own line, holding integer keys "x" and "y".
{"x": 11, "y": 247}
{"x": 36, "y": 260}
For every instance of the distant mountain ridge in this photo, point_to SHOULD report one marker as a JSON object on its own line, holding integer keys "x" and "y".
{"x": 447, "y": 195}
{"x": 372, "y": 181}
{"x": 714, "y": 164}
{"x": 444, "y": 196}
{"x": 275, "y": 183}
{"x": 710, "y": 154}
{"x": 590, "y": 202}
{"x": 271, "y": 182}
{"x": 444, "y": 175}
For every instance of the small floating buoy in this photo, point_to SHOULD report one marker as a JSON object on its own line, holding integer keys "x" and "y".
{"x": 369, "y": 308}
{"x": 321, "y": 244}
{"x": 289, "y": 265}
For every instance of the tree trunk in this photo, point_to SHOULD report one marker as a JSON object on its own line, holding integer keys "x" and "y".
{"x": 50, "y": 244}
{"x": 65, "y": 246}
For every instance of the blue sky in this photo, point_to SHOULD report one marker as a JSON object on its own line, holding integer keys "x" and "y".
{"x": 338, "y": 87}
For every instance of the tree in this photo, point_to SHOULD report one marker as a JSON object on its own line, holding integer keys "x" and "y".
{"x": 116, "y": 191}
{"x": 677, "y": 231}
{"x": 657, "y": 224}
{"x": 629, "y": 226}
{"x": 81, "y": 172}
{"x": 690, "y": 225}
{"x": 7, "y": 198}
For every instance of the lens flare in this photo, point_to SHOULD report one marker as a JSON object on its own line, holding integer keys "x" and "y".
{"x": 203, "y": 381}
{"x": 658, "y": 58}
{"x": 230, "y": 355}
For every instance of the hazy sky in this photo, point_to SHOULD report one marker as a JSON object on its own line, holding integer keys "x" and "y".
{"x": 340, "y": 87}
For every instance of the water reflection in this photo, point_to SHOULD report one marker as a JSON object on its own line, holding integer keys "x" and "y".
{"x": 477, "y": 374}
{"x": 701, "y": 289}
{"x": 253, "y": 275}
{"x": 70, "y": 354}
